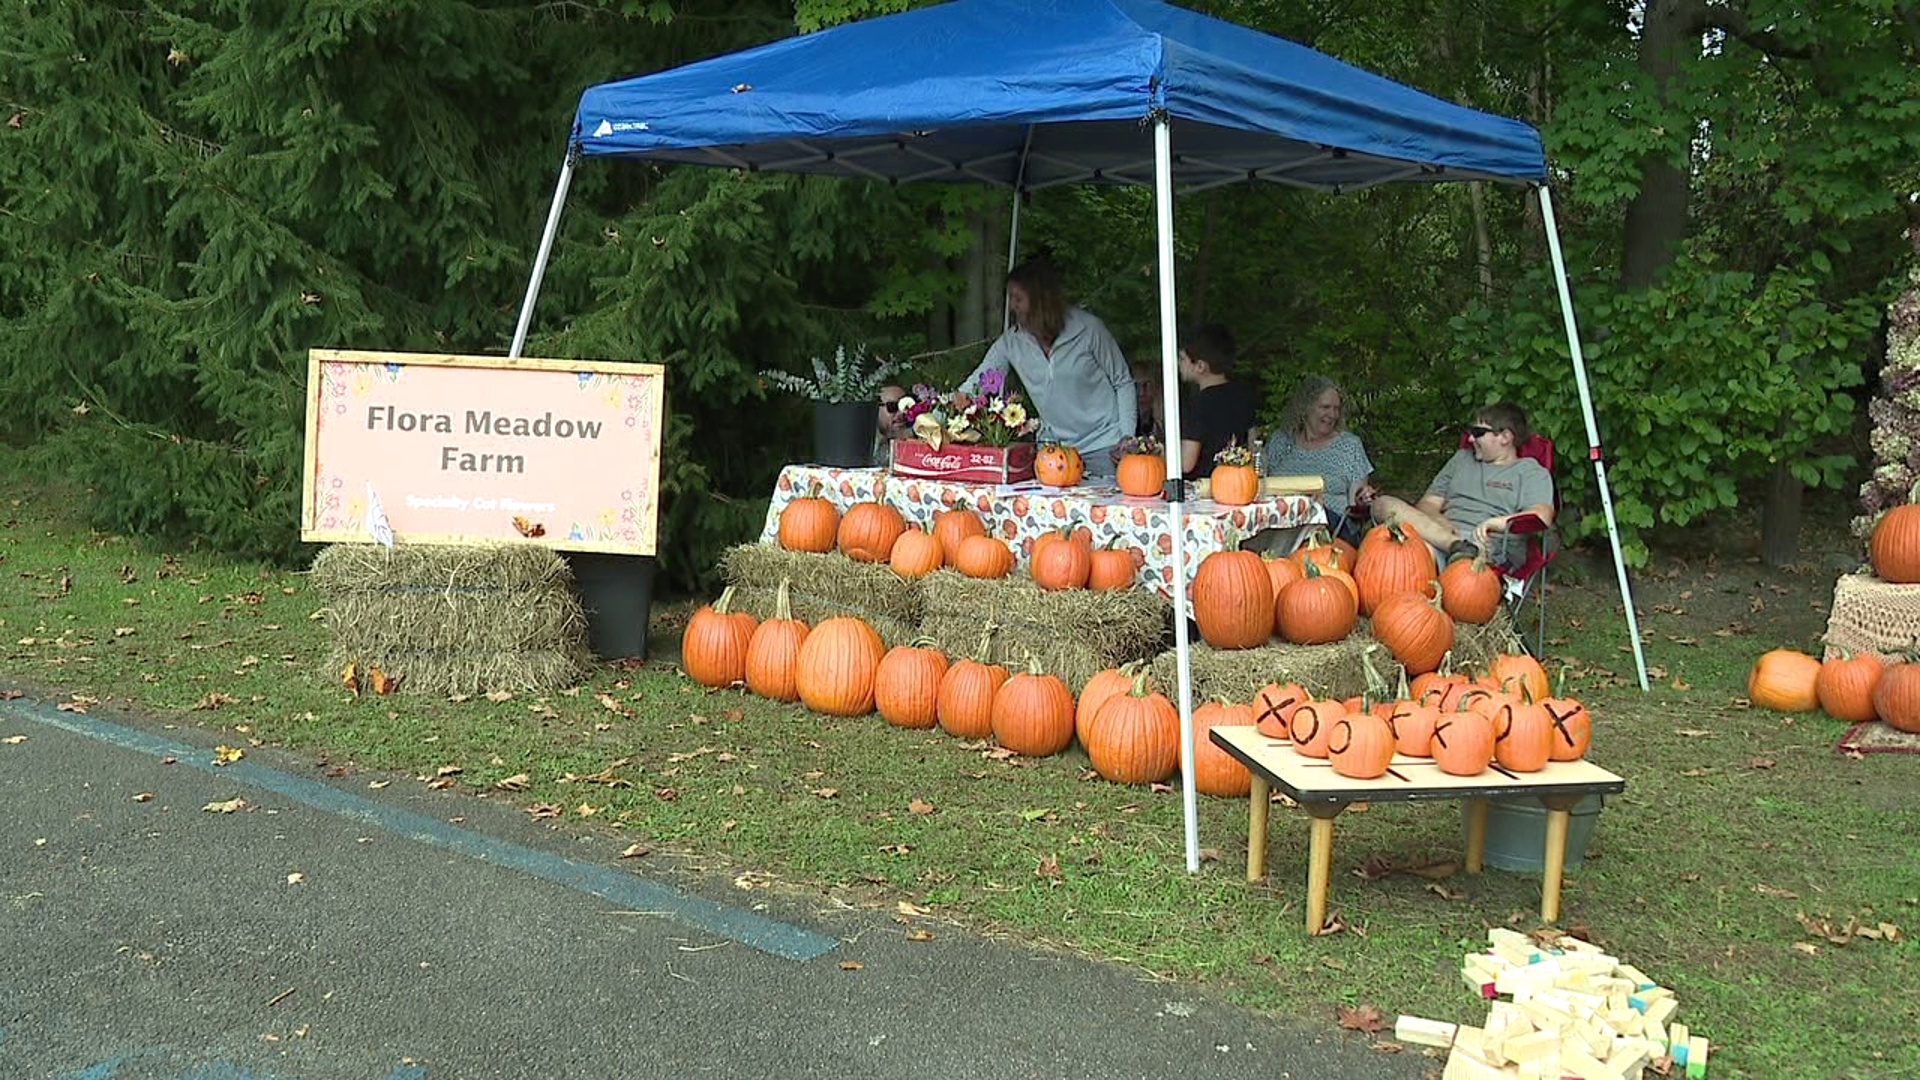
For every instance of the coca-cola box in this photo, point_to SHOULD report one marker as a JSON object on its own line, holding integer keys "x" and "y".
{"x": 963, "y": 462}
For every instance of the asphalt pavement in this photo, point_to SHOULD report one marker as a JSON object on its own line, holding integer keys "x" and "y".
{"x": 323, "y": 930}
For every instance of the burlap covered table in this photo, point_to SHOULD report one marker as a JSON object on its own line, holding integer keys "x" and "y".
{"x": 1871, "y": 615}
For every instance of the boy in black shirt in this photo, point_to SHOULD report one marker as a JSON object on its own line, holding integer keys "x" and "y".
{"x": 1218, "y": 410}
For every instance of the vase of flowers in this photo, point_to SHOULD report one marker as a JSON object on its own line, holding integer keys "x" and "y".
{"x": 846, "y": 400}
{"x": 983, "y": 437}
{"x": 1235, "y": 479}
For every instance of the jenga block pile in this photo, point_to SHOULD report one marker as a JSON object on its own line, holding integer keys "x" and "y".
{"x": 1574, "y": 1013}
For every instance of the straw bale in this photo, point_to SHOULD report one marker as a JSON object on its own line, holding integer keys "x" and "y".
{"x": 496, "y": 620}
{"x": 442, "y": 672}
{"x": 1074, "y": 633}
{"x": 1474, "y": 646}
{"x": 1332, "y": 670}
{"x": 823, "y": 586}
{"x": 344, "y": 568}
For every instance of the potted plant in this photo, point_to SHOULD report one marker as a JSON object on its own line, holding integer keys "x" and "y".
{"x": 846, "y": 401}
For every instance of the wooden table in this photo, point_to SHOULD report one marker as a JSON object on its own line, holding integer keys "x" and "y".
{"x": 1323, "y": 793}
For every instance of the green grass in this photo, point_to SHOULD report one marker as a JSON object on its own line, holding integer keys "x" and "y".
{"x": 1690, "y": 877}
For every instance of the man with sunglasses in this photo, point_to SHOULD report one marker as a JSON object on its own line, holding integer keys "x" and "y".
{"x": 1470, "y": 506}
{"x": 891, "y": 424}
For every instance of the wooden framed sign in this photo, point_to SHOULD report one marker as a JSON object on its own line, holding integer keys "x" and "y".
{"x": 444, "y": 449}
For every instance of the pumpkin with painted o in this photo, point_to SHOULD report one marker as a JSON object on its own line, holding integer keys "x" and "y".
{"x": 1057, "y": 465}
{"x": 1846, "y": 683}
{"x": 1233, "y": 600}
{"x": 1786, "y": 680}
{"x": 984, "y": 557}
{"x": 1312, "y": 726}
{"x": 1463, "y": 744}
{"x": 1135, "y": 736}
{"x": 950, "y": 527}
{"x": 1894, "y": 545}
{"x": 1360, "y": 746}
{"x": 1032, "y": 713}
{"x": 1522, "y": 737}
{"x": 837, "y": 665}
{"x": 773, "y": 651}
{"x": 713, "y": 648}
{"x": 1216, "y": 772}
{"x": 868, "y": 530}
{"x": 906, "y": 686}
{"x": 916, "y": 554}
{"x": 1896, "y": 697}
{"x": 809, "y": 523}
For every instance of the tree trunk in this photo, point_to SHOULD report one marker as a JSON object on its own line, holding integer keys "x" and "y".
{"x": 971, "y": 322}
{"x": 1657, "y": 218}
{"x": 1482, "y": 242}
{"x": 1780, "y": 518}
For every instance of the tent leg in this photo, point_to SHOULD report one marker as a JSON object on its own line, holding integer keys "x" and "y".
{"x": 540, "y": 258}
{"x": 1170, "y": 392}
{"x": 1593, "y": 429}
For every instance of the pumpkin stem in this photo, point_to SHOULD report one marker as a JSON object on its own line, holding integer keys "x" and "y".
{"x": 1376, "y": 683}
{"x": 782, "y": 605}
{"x": 1139, "y": 688}
{"x": 985, "y": 654}
{"x": 724, "y": 605}
{"x": 923, "y": 642}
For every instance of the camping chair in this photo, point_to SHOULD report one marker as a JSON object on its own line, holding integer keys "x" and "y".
{"x": 1528, "y": 582}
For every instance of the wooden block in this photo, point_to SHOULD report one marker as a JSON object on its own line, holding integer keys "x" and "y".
{"x": 1546, "y": 1068}
{"x": 1677, "y": 1043}
{"x": 1484, "y": 964}
{"x": 1533, "y": 1046}
{"x": 1423, "y": 1032}
{"x": 1469, "y": 1038}
{"x": 1533, "y": 978}
{"x": 1464, "y": 1066}
{"x": 1660, "y": 1011}
{"x": 1474, "y": 983}
{"x": 1575, "y": 1061}
{"x": 1546, "y": 1017}
{"x": 1630, "y": 1056}
{"x": 1638, "y": 978}
{"x": 1697, "y": 1057}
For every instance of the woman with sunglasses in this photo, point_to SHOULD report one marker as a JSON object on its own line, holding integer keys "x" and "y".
{"x": 1468, "y": 507}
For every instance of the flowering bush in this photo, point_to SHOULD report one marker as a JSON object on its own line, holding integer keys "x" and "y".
{"x": 1896, "y": 409}
{"x": 992, "y": 416}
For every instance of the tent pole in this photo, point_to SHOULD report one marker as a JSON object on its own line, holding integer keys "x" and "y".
{"x": 1170, "y": 398}
{"x": 540, "y": 258}
{"x": 1593, "y": 429}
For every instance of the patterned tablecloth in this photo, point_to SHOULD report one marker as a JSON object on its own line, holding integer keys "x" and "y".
{"x": 1021, "y": 513}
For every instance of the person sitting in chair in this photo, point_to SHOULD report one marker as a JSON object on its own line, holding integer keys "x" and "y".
{"x": 1219, "y": 410}
{"x": 1471, "y": 505}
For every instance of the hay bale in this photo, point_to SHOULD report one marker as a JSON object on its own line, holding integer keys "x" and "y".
{"x": 823, "y": 586}
{"x": 1332, "y": 670}
{"x": 453, "y": 620}
{"x": 1474, "y": 646}
{"x": 1074, "y": 634}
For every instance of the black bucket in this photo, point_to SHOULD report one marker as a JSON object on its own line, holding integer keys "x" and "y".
{"x": 616, "y": 591}
{"x": 843, "y": 433}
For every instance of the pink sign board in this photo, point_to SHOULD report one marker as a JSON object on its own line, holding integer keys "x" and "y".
{"x": 479, "y": 449}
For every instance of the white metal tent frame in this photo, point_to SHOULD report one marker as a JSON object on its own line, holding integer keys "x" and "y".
{"x": 1159, "y": 173}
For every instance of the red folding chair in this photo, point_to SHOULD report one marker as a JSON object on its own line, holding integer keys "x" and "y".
{"x": 1529, "y": 579}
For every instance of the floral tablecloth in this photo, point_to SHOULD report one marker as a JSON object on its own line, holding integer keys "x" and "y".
{"x": 1021, "y": 513}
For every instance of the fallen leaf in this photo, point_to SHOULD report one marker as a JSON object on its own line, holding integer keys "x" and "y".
{"x": 350, "y": 678}
{"x": 382, "y": 683}
{"x": 586, "y": 809}
{"x": 123, "y": 631}
{"x": 544, "y": 810}
{"x": 447, "y": 770}
{"x": 906, "y": 908}
{"x": 1760, "y": 763}
{"x": 851, "y": 965}
{"x": 227, "y": 755}
{"x": 1049, "y": 867}
{"x": 1693, "y": 733}
{"x": 499, "y": 695}
{"x": 1778, "y": 894}
{"x": 227, "y": 807}
{"x": 296, "y": 878}
{"x": 826, "y": 792}
{"x": 378, "y": 784}
{"x": 635, "y": 850}
{"x": 917, "y": 934}
{"x": 1807, "y": 947}
{"x": 1445, "y": 893}
{"x": 1361, "y": 1018}
{"x": 145, "y": 796}
{"x": 1697, "y": 772}
{"x": 920, "y": 806}
{"x": 14, "y": 740}
{"x": 516, "y": 782}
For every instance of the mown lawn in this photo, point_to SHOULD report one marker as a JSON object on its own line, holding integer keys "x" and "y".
{"x": 1735, "y": 823}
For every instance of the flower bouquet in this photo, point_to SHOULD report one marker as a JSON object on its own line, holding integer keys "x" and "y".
{"x": 972, "y": 438}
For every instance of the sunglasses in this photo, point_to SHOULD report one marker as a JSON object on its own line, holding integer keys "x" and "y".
{"x": 1477, "y": 430}
{"x": 892, "y": 407}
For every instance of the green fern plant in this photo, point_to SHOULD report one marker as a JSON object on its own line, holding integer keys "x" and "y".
{"x": 847, "y": 379}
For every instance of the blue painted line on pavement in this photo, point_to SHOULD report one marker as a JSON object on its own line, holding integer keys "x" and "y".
{"x": 218, "y": 1070}
{"x": 757, "y": 931}
{"x": 407, "y": 1072}
{"x": 102, "y": 1071}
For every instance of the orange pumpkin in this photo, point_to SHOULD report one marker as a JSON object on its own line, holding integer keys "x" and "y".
{"x": 964, "y": 708}
{"x": 915, "y": 554}
{"x": 1327, "y": 552}
{"x": 1316, "y": 609}
{"x": 1845, "y": 685}
{"x": 1522, "y": 737}
{"x": 1470, "y": 590}
{"x": 868, "y": 531}
{"x": 1360, "y": 746}
{"x": 1429, "y": 689}
{"x": 1894, "y": 545}
{"x": 1235, "y": 485}
{"x": 809, "y": 523}
{"x": 713, "y": 648}
{"x": 906, "y": 686}
{"x": 1896, "y": 697}
{"x": 1033, "y": 713}
{"x": 1520, "y": 674}
{"x": 1063, "y": 561}
{"x": 1414, "y": 629}
{"x": 1102, "y": 686}
{"x": 1057, "y": 465}
{"x": 1282, "y": 573}
{"x": 1785, "y": 680}
{"x": 1110, "y": 567}
{"x": 1142, "y": 475}
{"x": 1463, "y": 744}
{"x": 1135, "y": 737}
{"x": 836, "y": 667}
{"x": 773, "y": 651}
{"x": 1233, "y": 600}
{"x": 1392, "y": 560}
{"x": 1572, "y": 728}
{"x": 1216, "y": 772}
{"x": 984, "y": 557}
{"x": 1273, "y": 708}
{"x": 1412, "y": 724}
{"x": 950, "y": 527}
{"x": 1312, "y": 726}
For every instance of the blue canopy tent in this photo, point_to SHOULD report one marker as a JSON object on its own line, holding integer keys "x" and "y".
{"x": 1028, "y": 94}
